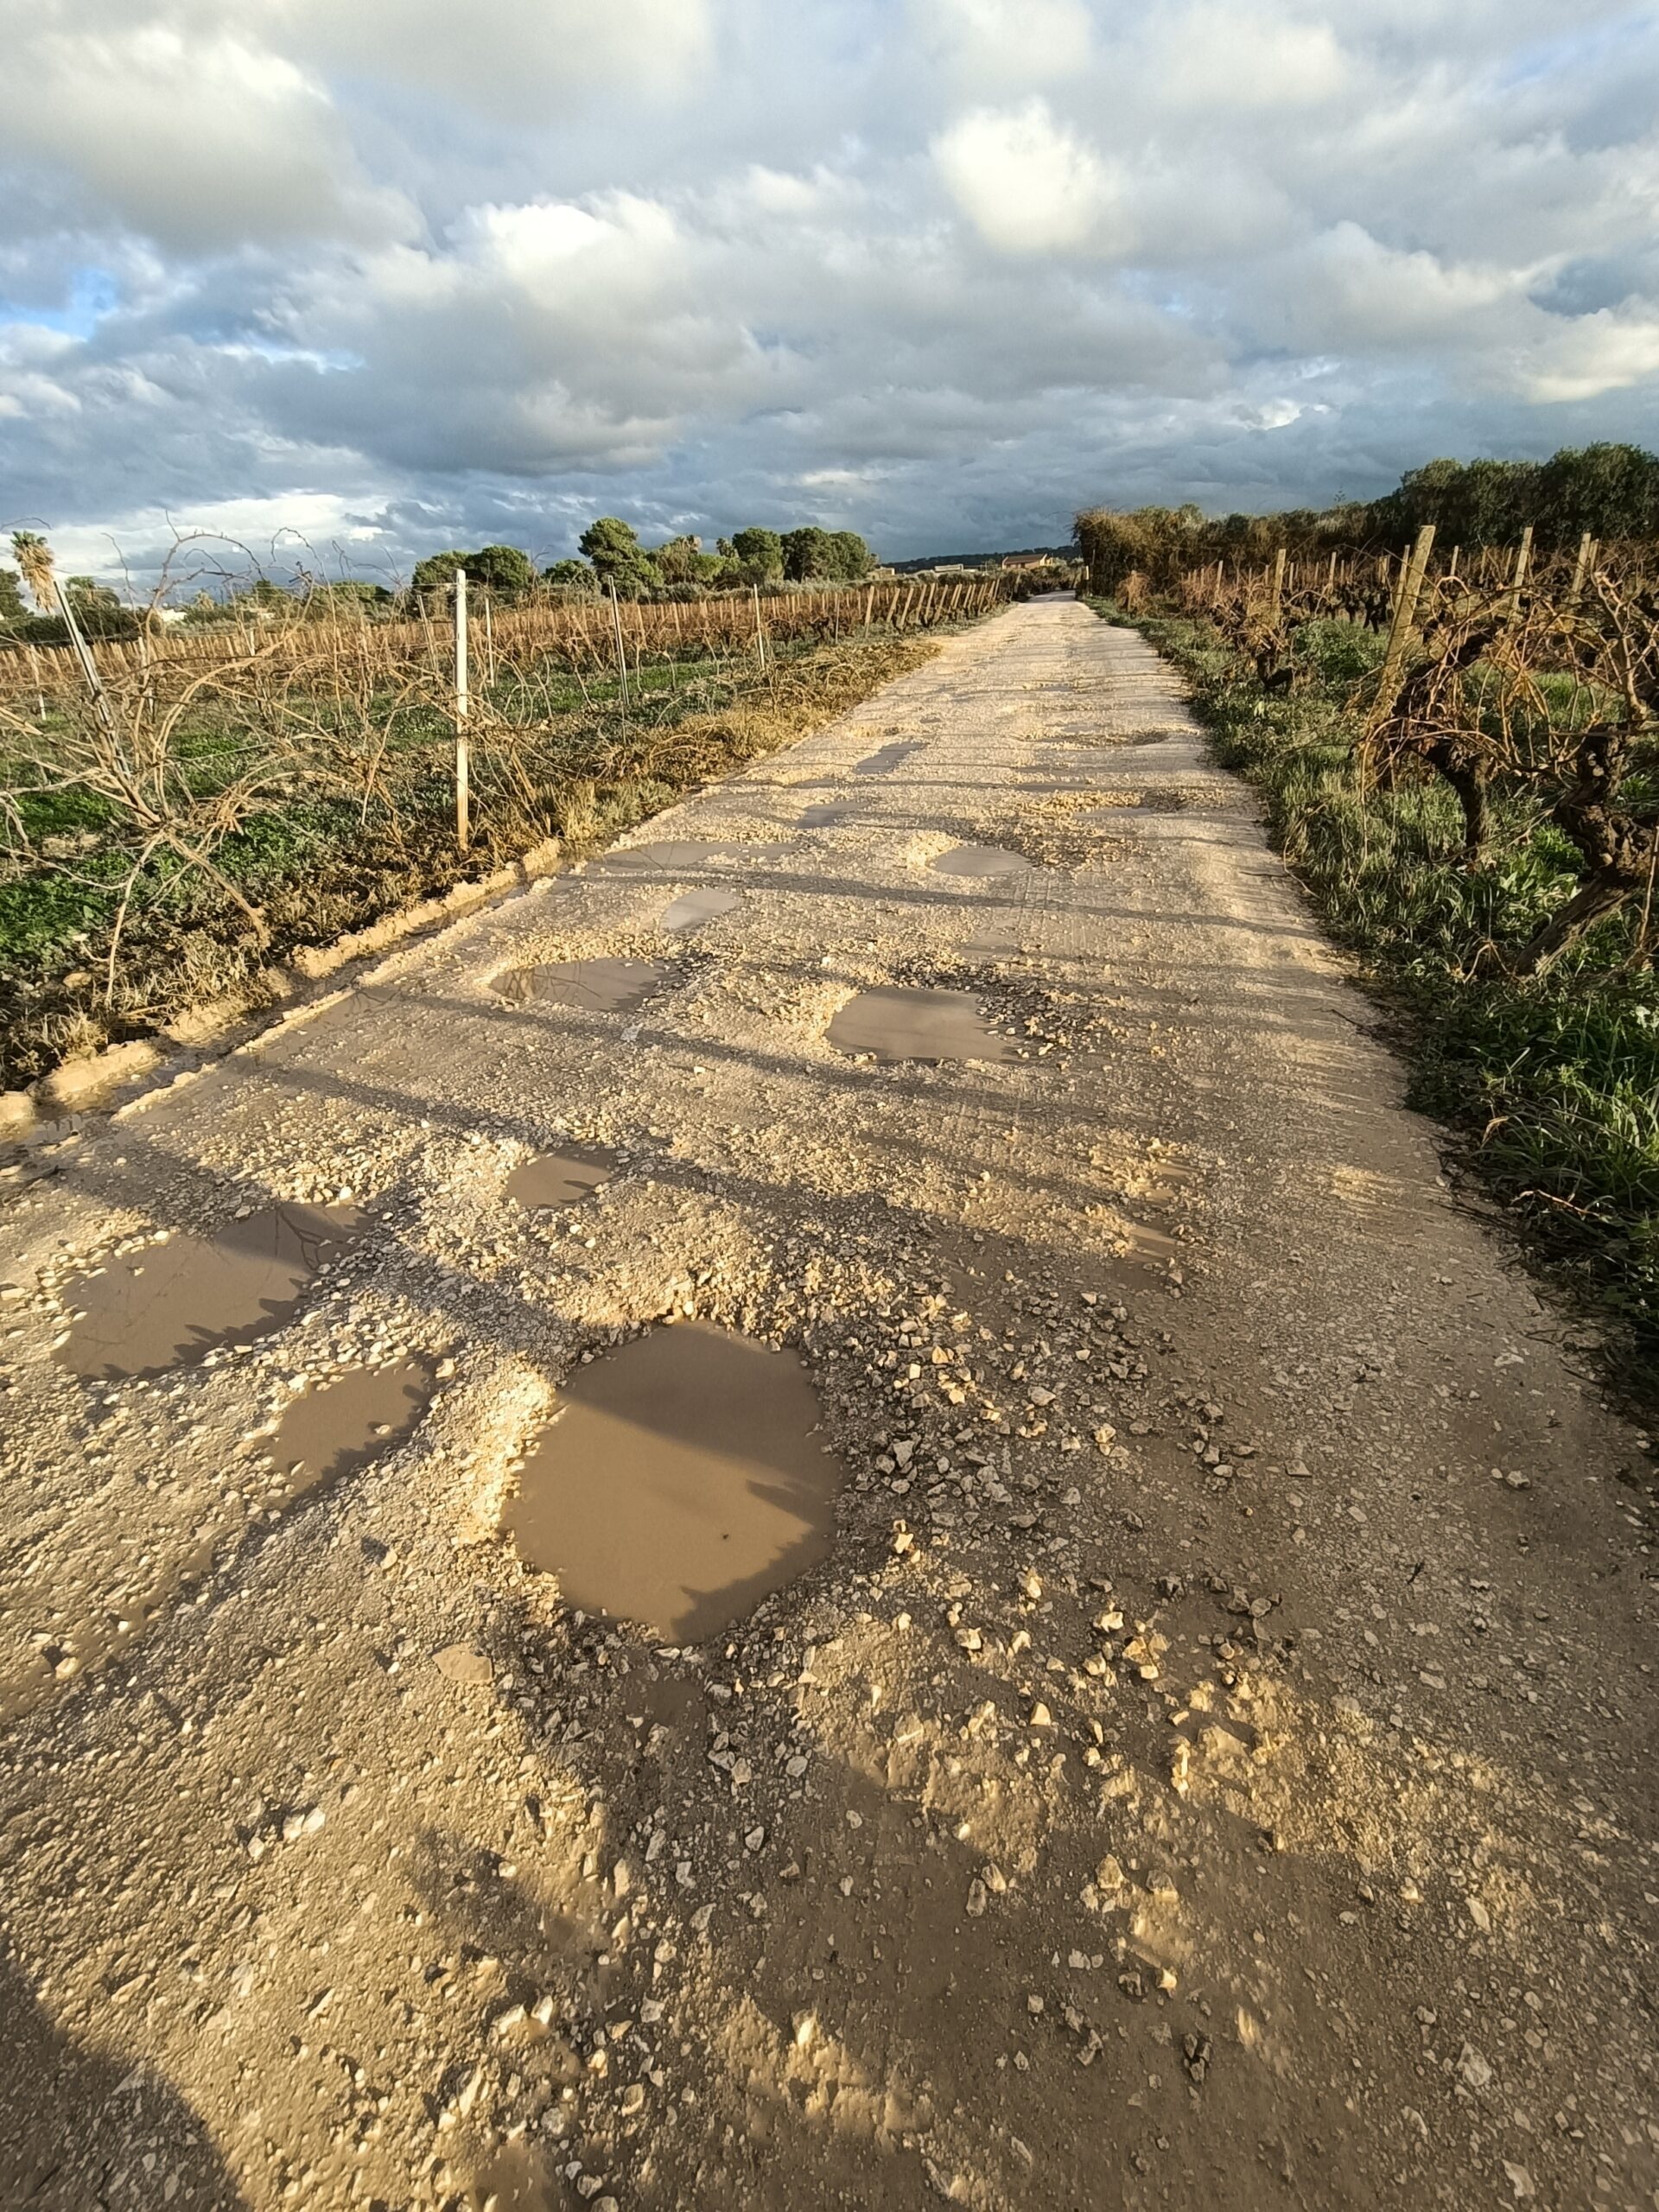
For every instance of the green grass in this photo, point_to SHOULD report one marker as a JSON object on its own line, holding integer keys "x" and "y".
{"x": 1551, "y": 1083}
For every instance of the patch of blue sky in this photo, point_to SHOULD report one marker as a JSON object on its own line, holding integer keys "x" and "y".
{"x": 1585, "y": 46}
{"x": 328, "y": 359}
{"x": 91, "y": 295}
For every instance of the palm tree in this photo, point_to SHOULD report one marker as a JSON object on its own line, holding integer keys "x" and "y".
{"x": 34, "y": 558}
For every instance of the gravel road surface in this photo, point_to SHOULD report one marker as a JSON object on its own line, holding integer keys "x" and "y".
{"x": 1146, "y": 1692}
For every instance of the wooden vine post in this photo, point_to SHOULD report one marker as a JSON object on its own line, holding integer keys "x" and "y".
{"x": 1522, "y": 559}
{"x": 1412, "y": 573}
{"x": 1581, "y": 566}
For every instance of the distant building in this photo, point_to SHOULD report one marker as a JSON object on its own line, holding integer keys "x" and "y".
{"x": 1030, "y": 561}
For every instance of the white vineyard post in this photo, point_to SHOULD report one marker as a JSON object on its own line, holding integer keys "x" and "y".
{"x": 463, "y": 762}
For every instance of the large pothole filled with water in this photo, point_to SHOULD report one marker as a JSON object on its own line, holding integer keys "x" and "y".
{"x": 171, "y": 1304}
{"x": 682, "y": 1479}
{"x": 561, "y": 1178}
{"x": 670, "y": 854}
{"x": 979, "y": 861}
{"x": 693, "y": 908}
{"x": 902, "y": 1022}
{"x": 347, "y": 1422}
{"x": 596, "y": 985}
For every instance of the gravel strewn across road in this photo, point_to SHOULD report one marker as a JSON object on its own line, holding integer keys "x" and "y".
{"x": 1210, "y": 1760}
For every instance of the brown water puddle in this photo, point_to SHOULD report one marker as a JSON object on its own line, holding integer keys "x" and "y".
{"x": 680, "y": 1482}
{"x": 597, "y": 985}
{"x": 696, "y": 907}
{"x": 889, "y": 756}
{"x": 342, "y": 1425}
{"x": 991, "y": 945}
{"x": 514, "y": 2180}
{"x": 561, "y": 1178}
{"x": 170, "y": 1304}
{"x": 673, "y": 854}
{"x": 904, "y": 1024}
{"x": 980, "y": 861}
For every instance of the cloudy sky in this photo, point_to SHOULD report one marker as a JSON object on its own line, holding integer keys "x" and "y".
{"x": 378, "y": 276}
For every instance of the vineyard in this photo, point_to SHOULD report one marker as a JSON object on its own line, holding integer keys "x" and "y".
{"x": 1460, "y": 758}
{"x": 582, "y": 635}
{"x": 181, "y": 811}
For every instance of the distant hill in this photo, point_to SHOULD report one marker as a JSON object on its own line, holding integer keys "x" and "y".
{"x": 979, "y": 560}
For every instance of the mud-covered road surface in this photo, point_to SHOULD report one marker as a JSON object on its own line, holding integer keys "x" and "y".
{"x": 1172, "y": 1718}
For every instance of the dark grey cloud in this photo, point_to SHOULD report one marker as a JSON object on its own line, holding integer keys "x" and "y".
{"x": 939, "y": 270}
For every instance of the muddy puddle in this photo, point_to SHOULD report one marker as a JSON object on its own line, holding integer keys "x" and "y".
{"x": 561, "y": 1178}
{"x": 345, "y": 1423}
{"x": 991, "y": 945}
{"x": 827, "y": 812}
{"x": 681, "y": 1480}
{"x": 671, "y": 854}
{"x": 691, "y": 910}
{"x": 980, "y": 861}
{"x": 889, "y": 756}
{"x": 906, "y": 1024}
{"x": 172, "y": 1304}
{"x": 596, "y": 985}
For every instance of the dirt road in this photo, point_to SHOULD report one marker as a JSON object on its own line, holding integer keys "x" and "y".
{"x": 1203, "y": 1755}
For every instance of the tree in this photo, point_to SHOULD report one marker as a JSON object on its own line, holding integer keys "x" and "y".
{"x": 807, "y": 554}
{"x": 34, "y": 557}
{"x": 348, "y": 595}
{"x": 11, "y": 598}
{"x": 88, "y": 596}
{"x": 850, "y": 558}
{"x": 1611, "y": 490}
{"x": 570, "y": 575}
{"x": 618, "y": 559}
{"x": 502, "y": 570}
{"x": 437, "y": 571}
{"x": 759, "y": 551}
{"x": 682, "y": 561}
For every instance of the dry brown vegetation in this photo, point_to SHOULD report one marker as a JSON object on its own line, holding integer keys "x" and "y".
{"x": 1544, "y": 684}
{"x": 219, "y": 802}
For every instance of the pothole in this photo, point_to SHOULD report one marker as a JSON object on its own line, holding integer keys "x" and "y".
{"x": 901, "y": 1022}
{"x": 696, "y": 907}
{"x": 980, "y": 861}
{"x": 668, "y": 853}
{"x": 172, "y": 1304}
{"x": 827, "y": 813}
{"x": 888, "y": 756}
{"x": 680, "y": 1482}
{"x": 677, "y": 853}
{"x": 596, "y": 985}
{"x": 991, "y": 945}
{"x": 561, "y": 1178}
{"x": 345, "y": 1423}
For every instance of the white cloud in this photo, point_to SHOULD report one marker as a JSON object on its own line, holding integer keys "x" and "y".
{"x": 514, "y": 59}
{"x": 1359, "y": 292}
{"x": 197, "y": 140}
{"x": 1030, "y": 184}
{"x": 992, "y": 46}
{"x": 1608, "y": 351}
{"x": 1236, "y": 56}
{"x": 945, "y": 269}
